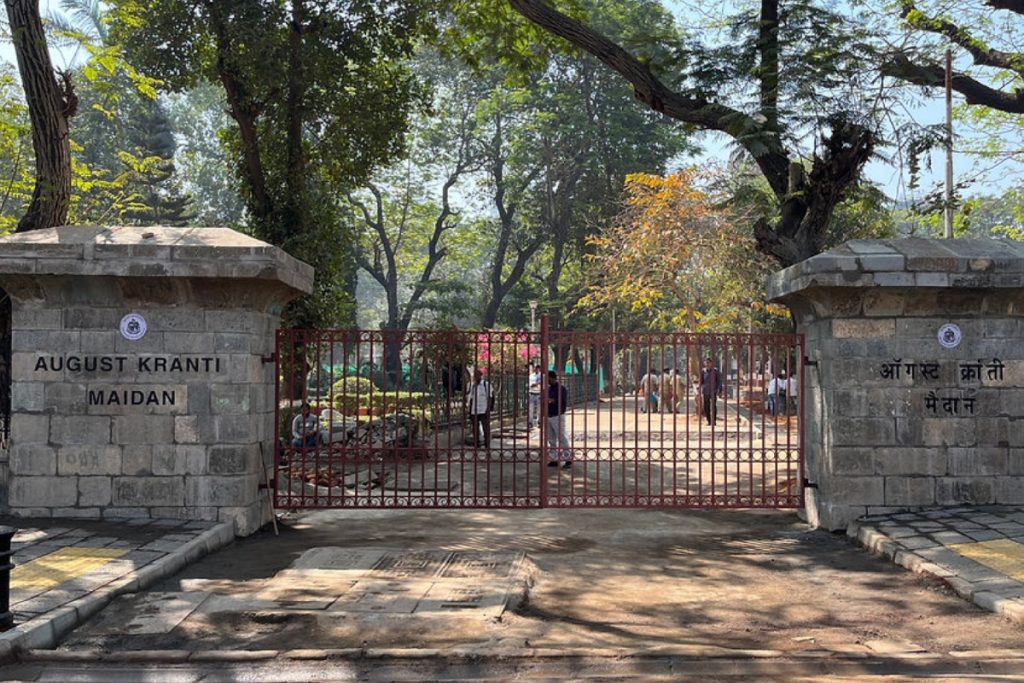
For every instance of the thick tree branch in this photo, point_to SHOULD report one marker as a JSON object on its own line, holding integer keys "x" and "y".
{"x": 958, "y": 35}
{"x": 1016, "y": 6}
{"x": 973, "y": 90}
{"x": 648, "y": 88}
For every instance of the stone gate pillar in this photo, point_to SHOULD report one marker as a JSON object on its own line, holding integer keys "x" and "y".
{"x": 141, "y": 385}
{"x": 915, "y": 382}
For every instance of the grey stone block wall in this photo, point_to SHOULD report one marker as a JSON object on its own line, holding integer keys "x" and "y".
{"x": 875, "y": 439}
{"x": 167, "y": 425}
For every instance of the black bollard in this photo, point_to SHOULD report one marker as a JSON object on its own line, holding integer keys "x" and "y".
{"x": 6, "y": 565}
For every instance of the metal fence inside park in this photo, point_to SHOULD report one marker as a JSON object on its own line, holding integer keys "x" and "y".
{"x": 394, "y": 427}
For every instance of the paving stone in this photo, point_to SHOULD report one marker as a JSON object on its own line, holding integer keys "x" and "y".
{"x": 985, "y": 535}
{"x": 162, "y": 612}
{"x": 899, "y": 531}
{"x": 77, "y": 533}
{"x": 162, "y": 546}
{"x": 96, "y": 542}
{"x": 50, "y": 600}
{"x": 985, "y": 520}
{"x": 918, "y": 542}
{"x": 949, "y": 537}
{"x": 142, "y": 557}
{"x": 1003, "y": 586}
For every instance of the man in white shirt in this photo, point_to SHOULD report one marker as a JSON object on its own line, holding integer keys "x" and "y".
{"x": 479, "y": 400}
{"x": 533, "y": 388}
{"x": 777, "y": 394}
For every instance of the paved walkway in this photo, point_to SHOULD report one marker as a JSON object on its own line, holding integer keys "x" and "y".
{"x": 977, "y": 551}
{"x": 67, "y": 570}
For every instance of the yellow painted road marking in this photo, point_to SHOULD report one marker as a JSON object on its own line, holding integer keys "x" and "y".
{"x": 62, "y": 565}
{"x": 1004, "y": 555}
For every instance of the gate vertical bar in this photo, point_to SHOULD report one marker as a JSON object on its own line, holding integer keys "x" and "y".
{"x": 802, "y": 401}
{"x": 278, "y": 452}
{"x": 543, "y": 464}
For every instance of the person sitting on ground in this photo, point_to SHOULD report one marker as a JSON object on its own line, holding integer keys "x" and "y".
{"x": 305, "y": 428}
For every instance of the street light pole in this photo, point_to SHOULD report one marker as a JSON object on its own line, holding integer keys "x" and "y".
{"x": 533, "y": 315}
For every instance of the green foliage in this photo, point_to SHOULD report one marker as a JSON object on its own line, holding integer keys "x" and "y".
{"x": 123, "y": 159}
{"x": 205, "y": 170}
{"x": 320, "y": 94}
{"x": 354, "y": 386}
{"x": 16, "y": 161}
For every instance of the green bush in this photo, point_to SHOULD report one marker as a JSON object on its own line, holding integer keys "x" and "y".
{"x": 381, "y": 403}
{"x": 354, "y": 387}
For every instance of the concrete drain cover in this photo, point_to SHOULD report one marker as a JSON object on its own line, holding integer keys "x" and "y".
{"x": 393, "y": 581}
{"x": 408, "y": 565}
{"x": 480, "y": 566}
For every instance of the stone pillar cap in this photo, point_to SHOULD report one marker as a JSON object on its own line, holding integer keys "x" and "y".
{"x": 910, "y": 262}
{"x": 151, "y": 251}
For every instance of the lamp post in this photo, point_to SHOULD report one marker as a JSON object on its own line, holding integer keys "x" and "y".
{"x": 533, "y": 315}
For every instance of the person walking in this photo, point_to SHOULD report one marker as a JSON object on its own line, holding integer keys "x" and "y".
{"x": 649, "y": 389}
{"x": 559, "y": 448}
{"x": 710, "y": 389}
{"x": 678, "y": 392}
{"x": 480, "y": 400}
{"x": 792, "y": 393}
{"x": 533, "y": 390}
{"x": 777, "y": 394}
{"x": 667, "y": 397}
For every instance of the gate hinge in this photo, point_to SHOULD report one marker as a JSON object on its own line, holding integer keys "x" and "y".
{"x": 808, "y": 361}
{"x": 272, "y": 358}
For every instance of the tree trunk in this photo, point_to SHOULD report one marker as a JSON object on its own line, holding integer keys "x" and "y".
{"x": 49, "y": 107}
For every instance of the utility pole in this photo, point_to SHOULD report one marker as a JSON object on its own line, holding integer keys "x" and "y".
{"x": 949, "y": 144}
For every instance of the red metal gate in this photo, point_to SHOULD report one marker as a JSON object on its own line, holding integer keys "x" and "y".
{"x": 392, "y": 420}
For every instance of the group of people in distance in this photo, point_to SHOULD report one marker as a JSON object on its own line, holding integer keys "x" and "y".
{"x": 479, "y": 404}
{"x": 782, "y": 394}
{"x": 668, "y": 391}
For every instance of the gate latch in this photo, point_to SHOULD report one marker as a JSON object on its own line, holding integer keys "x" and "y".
{"x": 272, "y": 358}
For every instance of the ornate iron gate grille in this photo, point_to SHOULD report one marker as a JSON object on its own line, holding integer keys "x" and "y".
{"x": 394, "y": 426}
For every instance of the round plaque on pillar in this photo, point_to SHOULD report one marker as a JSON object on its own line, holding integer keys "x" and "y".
{"x": 950, "y": 336}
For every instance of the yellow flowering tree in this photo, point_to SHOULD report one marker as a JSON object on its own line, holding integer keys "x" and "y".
{"x": 678, "y": 255}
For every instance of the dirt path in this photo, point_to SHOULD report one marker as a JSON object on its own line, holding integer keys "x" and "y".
{"x": 603, "y": 580}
